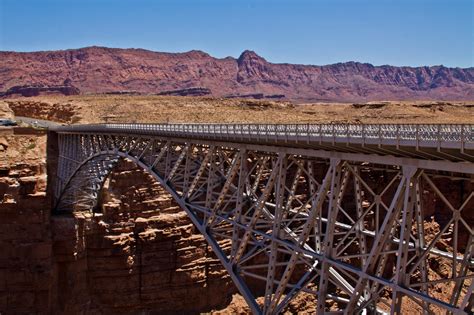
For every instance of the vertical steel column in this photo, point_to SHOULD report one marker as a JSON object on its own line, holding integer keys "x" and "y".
{"x": 333, "y": 210}
{"x": 401, "y": 277}
{"x": 277, "y": 224}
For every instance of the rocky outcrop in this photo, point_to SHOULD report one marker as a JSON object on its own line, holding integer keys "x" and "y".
{"x": 257, "y": 96}
{"x": 5, "y": 111}
{"x": 101, "y": 70}
{"x": 26, "y": 260}
{"x": 36, "y": 90}
{"x": 59, "y": 112}
{"x": 187, "y": 92}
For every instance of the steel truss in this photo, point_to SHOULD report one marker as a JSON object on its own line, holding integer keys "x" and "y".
{"x": 286, "y": 222}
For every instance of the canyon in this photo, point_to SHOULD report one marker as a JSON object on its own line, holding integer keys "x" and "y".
{"x": 139, "y": 71}
{"x": 141, "y": 253}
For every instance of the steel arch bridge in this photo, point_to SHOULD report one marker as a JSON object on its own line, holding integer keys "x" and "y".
{"x": 334, "y": 211}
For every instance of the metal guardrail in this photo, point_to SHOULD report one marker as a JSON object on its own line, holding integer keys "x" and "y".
{"x": 426, "y": 135}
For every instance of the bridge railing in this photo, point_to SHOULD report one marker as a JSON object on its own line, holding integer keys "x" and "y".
{"x": 432, "y": 135}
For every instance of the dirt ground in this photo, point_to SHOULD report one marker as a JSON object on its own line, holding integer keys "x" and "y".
{"x": 114, "y": 108}
{"x": 25, "y": 149}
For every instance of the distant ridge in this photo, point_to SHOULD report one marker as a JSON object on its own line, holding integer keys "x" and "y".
{"x": 106, "y": 70}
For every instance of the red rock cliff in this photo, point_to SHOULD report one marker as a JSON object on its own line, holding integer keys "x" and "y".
{"x": 99, "y": 70}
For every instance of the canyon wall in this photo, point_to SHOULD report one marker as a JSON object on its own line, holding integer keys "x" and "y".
{"x": 110, "y": 70}
{"x": 26, "y": 258}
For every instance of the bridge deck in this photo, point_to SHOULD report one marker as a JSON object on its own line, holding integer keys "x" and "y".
{"x": 432, "y": 142}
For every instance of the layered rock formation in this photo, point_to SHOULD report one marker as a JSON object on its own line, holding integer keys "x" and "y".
{"x": 146, "y": 248}
{"x": 26, "y": 268}
{"x": 5, "y": 111}
{"x": 187, "y": 92}
{"x": 26, "y": 247}
{"x": 99, "y": 70}
{"x": 36, "y": 90}
{"x": 58, "y": 112}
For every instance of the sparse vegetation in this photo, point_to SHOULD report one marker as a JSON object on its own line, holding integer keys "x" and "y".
{"x": 169, "y": 109}
{"x": 31, "y": 146}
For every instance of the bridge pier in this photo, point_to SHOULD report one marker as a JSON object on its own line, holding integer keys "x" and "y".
{"x": 52, "y": 158}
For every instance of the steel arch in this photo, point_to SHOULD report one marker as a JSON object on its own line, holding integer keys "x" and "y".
{"x": 283, "y": 218}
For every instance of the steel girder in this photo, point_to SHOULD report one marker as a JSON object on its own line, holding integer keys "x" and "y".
{"x": 349, "y": 232}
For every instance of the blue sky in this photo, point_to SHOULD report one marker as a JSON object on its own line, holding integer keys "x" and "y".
{"x": 397, "y": 32}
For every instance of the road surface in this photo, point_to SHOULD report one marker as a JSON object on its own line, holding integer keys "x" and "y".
{"x": 39, "y": 123}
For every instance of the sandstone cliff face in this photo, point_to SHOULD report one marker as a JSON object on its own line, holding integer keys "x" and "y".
{"x": 25, "y": 243}
{"x": 99, "y": 70}
{"x": 146, "y": 248}
{"x": 58, "y": 112}
{"x": 26, "y": 270}
{"x": 5, "y": 111}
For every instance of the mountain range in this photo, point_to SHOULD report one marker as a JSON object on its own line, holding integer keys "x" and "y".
{"x": 113, "y": 70}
